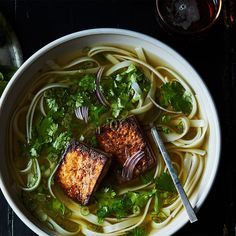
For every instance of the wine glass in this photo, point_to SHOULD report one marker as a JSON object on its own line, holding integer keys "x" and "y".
{"x": 187, "y": 16}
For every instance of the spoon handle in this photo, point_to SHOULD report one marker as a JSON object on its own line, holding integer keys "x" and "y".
{"x": 191, "y": 214}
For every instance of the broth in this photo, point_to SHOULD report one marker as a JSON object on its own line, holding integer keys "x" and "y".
{"x": 76, "y": 99}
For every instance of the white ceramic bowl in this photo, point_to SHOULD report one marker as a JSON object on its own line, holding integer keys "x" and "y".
{"x": 71, "y": 43}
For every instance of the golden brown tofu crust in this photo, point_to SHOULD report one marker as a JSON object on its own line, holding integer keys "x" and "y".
{"x": 81, "y": 171}
{"x": 123, "y": 140}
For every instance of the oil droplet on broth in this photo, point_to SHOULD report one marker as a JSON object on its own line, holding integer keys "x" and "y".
{"x": 187, "y": 15}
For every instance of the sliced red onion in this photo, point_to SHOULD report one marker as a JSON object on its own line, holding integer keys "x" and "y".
{"x": 131, "y": 158}
{"x": 130, "y": 164}
{"x": 99, "y": 94}
{"x": 82, "y": 113}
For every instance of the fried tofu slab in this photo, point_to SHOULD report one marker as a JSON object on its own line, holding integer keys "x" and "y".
{"x": 124, "y": 140}
{"x": 81, "y": 170}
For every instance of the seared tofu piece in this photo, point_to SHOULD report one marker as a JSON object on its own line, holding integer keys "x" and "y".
{"x": 81, "y": 170}
{"x": 124, "y": 140}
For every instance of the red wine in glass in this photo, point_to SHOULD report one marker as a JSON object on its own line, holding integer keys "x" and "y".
{"x": 188, "y": 16}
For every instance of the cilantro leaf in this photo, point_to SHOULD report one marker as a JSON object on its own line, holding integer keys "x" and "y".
{"x": 138, "y": 231}
{"x": 165, "y": 183}
{"x": 80, "y": 99}
{"x": 35, "y": 148}
{"x": 140, "y": 198}
{"x": 180, "y": 127}
{"x": 104, "y": 195}
{"x": 47, "y": 128}
{"x": 165, "y": 119}
{"x": 87, "y": 83}
{"x": 173, "y": 94}
{"x": 117, "y": 107}
{"x": 109, "y": 204}
{"x": 102, "y": 212}
{"x": 95, "y": 112}
{"x": 93, "y": 141}
{"x": 147, "y": 177}
{"x": 124, "y": 89}
{"x": 118, "y": 207}
{"x": 62, "y": 140}
{"x": 57, "y": 206}
{"x": 130, "y": 70}
{"x": 165, "y": 130}
{"x": 52, "y": 104}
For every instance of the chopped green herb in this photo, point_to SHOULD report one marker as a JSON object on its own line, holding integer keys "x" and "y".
{"x": 165, "y": 119}
{"x": 147, "y": 177}
{"x": 180, "y": 127}
{"x": 80, "y": 99}
{"x": 165, "y": 129}
{"x": 66, "y": 121}
{"x": 138, "y": 231}
{"x": 95, "y": 112}
{"x": 140, "y": 198}
{"x": 93, "y": 141}
{"x": 117, "y": 107}
{"x": 52, "y": 104}
{"x": 111, "y": 204}
{"x": 34, "y": 148}
{"x": 62, "y": 140}
{"x": 164, "y": 195}
{"x": 120, "y": 206}
{"x": 165, "y": 183}
{"x": 87, "y": 83}
{"x": 33, "y": 152}
{"x": 125, "y": 89}
{"x": 102, "y": 212}
{"x": 47, "y": 129}
{"x": 131, "y": 69}
{"x": 174, "y": 95}
{"x": 136, "y": 210}
{"x": 57, "y": 206}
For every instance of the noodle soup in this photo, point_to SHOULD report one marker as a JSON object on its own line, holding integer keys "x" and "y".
{"x": 83, "y": 106}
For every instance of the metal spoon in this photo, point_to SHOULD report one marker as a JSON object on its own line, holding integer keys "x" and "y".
{"x": 190, "y": 211}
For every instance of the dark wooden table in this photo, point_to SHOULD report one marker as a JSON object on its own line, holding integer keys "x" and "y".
{"x": 37, "y": 22}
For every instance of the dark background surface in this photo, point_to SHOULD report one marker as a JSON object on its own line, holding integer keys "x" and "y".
{"x": 38, "y": 22}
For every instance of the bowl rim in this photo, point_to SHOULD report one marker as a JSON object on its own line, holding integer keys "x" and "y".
{"x": 112, "y": 31}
